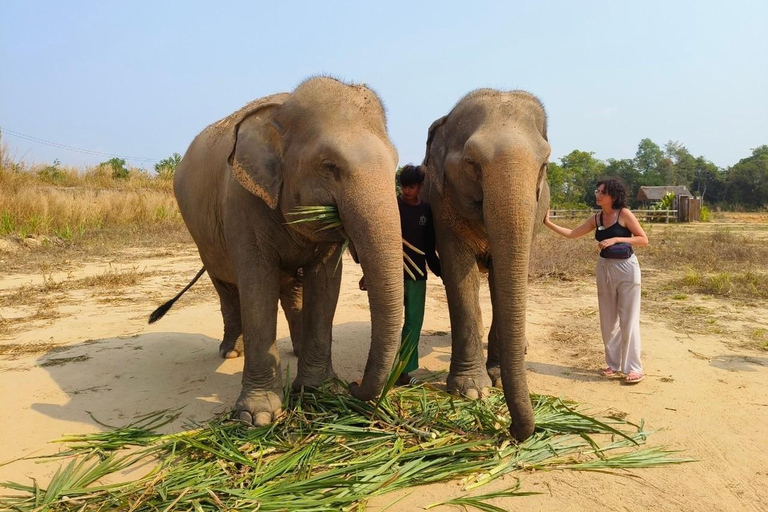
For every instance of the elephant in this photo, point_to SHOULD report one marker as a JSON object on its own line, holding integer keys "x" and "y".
{"x": 486, "y": 180}
{"x": 324, "y": 144}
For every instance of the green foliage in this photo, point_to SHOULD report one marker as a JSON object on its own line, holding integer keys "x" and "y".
{"x": 648, "y": 162}
{"x": 119, "y": 170}
{"x": 52, "y": 173}
{"x": 666, "y": 202}
{"x": 166, "y": 168}
{"x": 704, "y": 214}
{"x": 7, "y": 225}
{"x": 330, "y": 452}
{"x": 572, "y": 183}
{"x": 747, "y": 181}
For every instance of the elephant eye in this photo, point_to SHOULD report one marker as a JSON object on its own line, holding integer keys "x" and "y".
{"x": 475, "y": 171}
{"x": 329, "y": 168}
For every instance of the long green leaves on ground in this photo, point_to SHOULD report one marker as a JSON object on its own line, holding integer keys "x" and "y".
{"x": 332, "y": 452}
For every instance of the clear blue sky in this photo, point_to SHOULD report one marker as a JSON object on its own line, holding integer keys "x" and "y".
{"x": 142, "y": 78}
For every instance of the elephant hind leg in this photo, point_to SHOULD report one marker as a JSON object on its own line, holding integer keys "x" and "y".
{"x": 291, "y": 292}
{"x": 493, "y": 365}
{"x": 229, "y": 297}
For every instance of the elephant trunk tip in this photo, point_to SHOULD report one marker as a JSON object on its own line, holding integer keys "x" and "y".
{"x": 521, "y": 430}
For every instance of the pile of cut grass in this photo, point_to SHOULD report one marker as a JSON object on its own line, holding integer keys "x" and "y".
{"x": 331, "y": 452}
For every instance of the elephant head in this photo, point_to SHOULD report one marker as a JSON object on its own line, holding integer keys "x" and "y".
{"x": 326, "y": 144}
{"x": 487, "y": 160}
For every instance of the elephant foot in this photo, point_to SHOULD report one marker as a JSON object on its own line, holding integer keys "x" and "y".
{"x": 231, "y": 348}
{"x": 296, "y": 348}
{"x": 494, "y": 373}
{"x": 312, "y": 380}
{"x": 470, "y": 386}
{"x": 259, "y": 407}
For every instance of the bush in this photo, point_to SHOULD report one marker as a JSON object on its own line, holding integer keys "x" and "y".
{"x": 666, "y": 202}
{"x": 119, "y": 170}
{"x": 166, "y": 168}
{"x": 704, "y": 214}
{"x": 52, "y": 173}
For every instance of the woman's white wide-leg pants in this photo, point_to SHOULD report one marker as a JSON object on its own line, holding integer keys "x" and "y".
{"x": 618, "y": 295}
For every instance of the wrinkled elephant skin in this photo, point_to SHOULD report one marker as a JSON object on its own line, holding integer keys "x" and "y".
{"x": 486, "y": 166}
{"x": 324, "y": 144}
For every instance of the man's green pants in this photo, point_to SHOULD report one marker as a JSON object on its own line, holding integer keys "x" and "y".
{"x": 415, "y": 297}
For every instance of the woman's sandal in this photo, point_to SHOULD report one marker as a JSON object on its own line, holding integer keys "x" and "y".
{"x": 633, "y": 378}
{"x": 608, "y": 373}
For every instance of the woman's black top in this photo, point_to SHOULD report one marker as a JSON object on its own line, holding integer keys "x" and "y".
{"x": 613, "y": 231}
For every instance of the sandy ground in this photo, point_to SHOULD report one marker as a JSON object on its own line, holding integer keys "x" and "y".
{"x": 705, "y": 394}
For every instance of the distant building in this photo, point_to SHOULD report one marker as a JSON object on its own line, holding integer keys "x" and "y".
{"x": 688, "y": 208}
{"x": 650, "y": 195}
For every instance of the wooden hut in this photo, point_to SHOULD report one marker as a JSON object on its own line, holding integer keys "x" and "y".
{"x": 686, "y": 205}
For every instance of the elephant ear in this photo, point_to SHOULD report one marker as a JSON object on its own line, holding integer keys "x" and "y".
{"x": 541, "y": 181}
{"x": 256, "y": 156}
{"x": 433, "y": 160}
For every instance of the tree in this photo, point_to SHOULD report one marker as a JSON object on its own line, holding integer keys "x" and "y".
{"x": 678, "y": 167}
{"x": 119, "y": 170}
{"x": 581, "y": 172}
{"x": 707, "y": 179}
{"x": 556, "y": 179}
{"x": 747, "y": 181}
{"x": 648, "y": 162}
{"x": 166, "y": 168}
{"x": 625, "y": 170}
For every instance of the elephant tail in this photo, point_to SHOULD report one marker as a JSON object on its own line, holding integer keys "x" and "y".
{"x": 162, "y": 310}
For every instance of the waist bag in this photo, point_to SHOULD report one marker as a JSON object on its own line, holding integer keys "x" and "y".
{"x": 620, "y": 251}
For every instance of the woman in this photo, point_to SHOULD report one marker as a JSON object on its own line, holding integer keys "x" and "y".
{"x": 618, "y": 277}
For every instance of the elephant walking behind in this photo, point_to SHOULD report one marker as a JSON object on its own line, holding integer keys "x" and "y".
{"x": 486, "y": 165}
{"x": 324, "y": 144}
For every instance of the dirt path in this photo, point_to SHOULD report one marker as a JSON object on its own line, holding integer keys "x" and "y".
{"x": 704, "y": 395}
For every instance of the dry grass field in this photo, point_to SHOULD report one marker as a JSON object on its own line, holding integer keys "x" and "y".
{"x": 84, "y": 263}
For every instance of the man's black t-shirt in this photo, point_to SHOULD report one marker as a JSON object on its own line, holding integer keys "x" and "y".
{"x": 419, "y": 230}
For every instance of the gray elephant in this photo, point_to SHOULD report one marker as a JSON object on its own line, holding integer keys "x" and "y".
{"x": 324, "y": 144}
{"x": 486, "y": 165}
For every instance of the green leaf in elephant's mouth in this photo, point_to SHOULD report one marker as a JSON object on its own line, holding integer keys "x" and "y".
{"x": 329, "y": 217}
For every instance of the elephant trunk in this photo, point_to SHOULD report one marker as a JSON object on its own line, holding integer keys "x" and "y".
{"x": 509, "y": 218}
{"x": 372, "y": 221}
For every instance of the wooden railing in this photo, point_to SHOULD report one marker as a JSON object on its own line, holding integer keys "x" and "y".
{"x": 665, "y": 216}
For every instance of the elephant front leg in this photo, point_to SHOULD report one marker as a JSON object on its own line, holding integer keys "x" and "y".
{"x": 461, "y": 277}
{"x": 261, "y": 398}
{"x": 322, "y": 282}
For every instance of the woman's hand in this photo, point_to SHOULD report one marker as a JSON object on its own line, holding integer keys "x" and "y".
{"x": 607, "y": 243}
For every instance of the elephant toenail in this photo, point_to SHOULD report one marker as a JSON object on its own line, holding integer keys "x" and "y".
{"x": 263, "y": 418}
{"x": 472, "y": 394}
{"x": 232, "y": 354}
{"x": 246, "y": 417}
